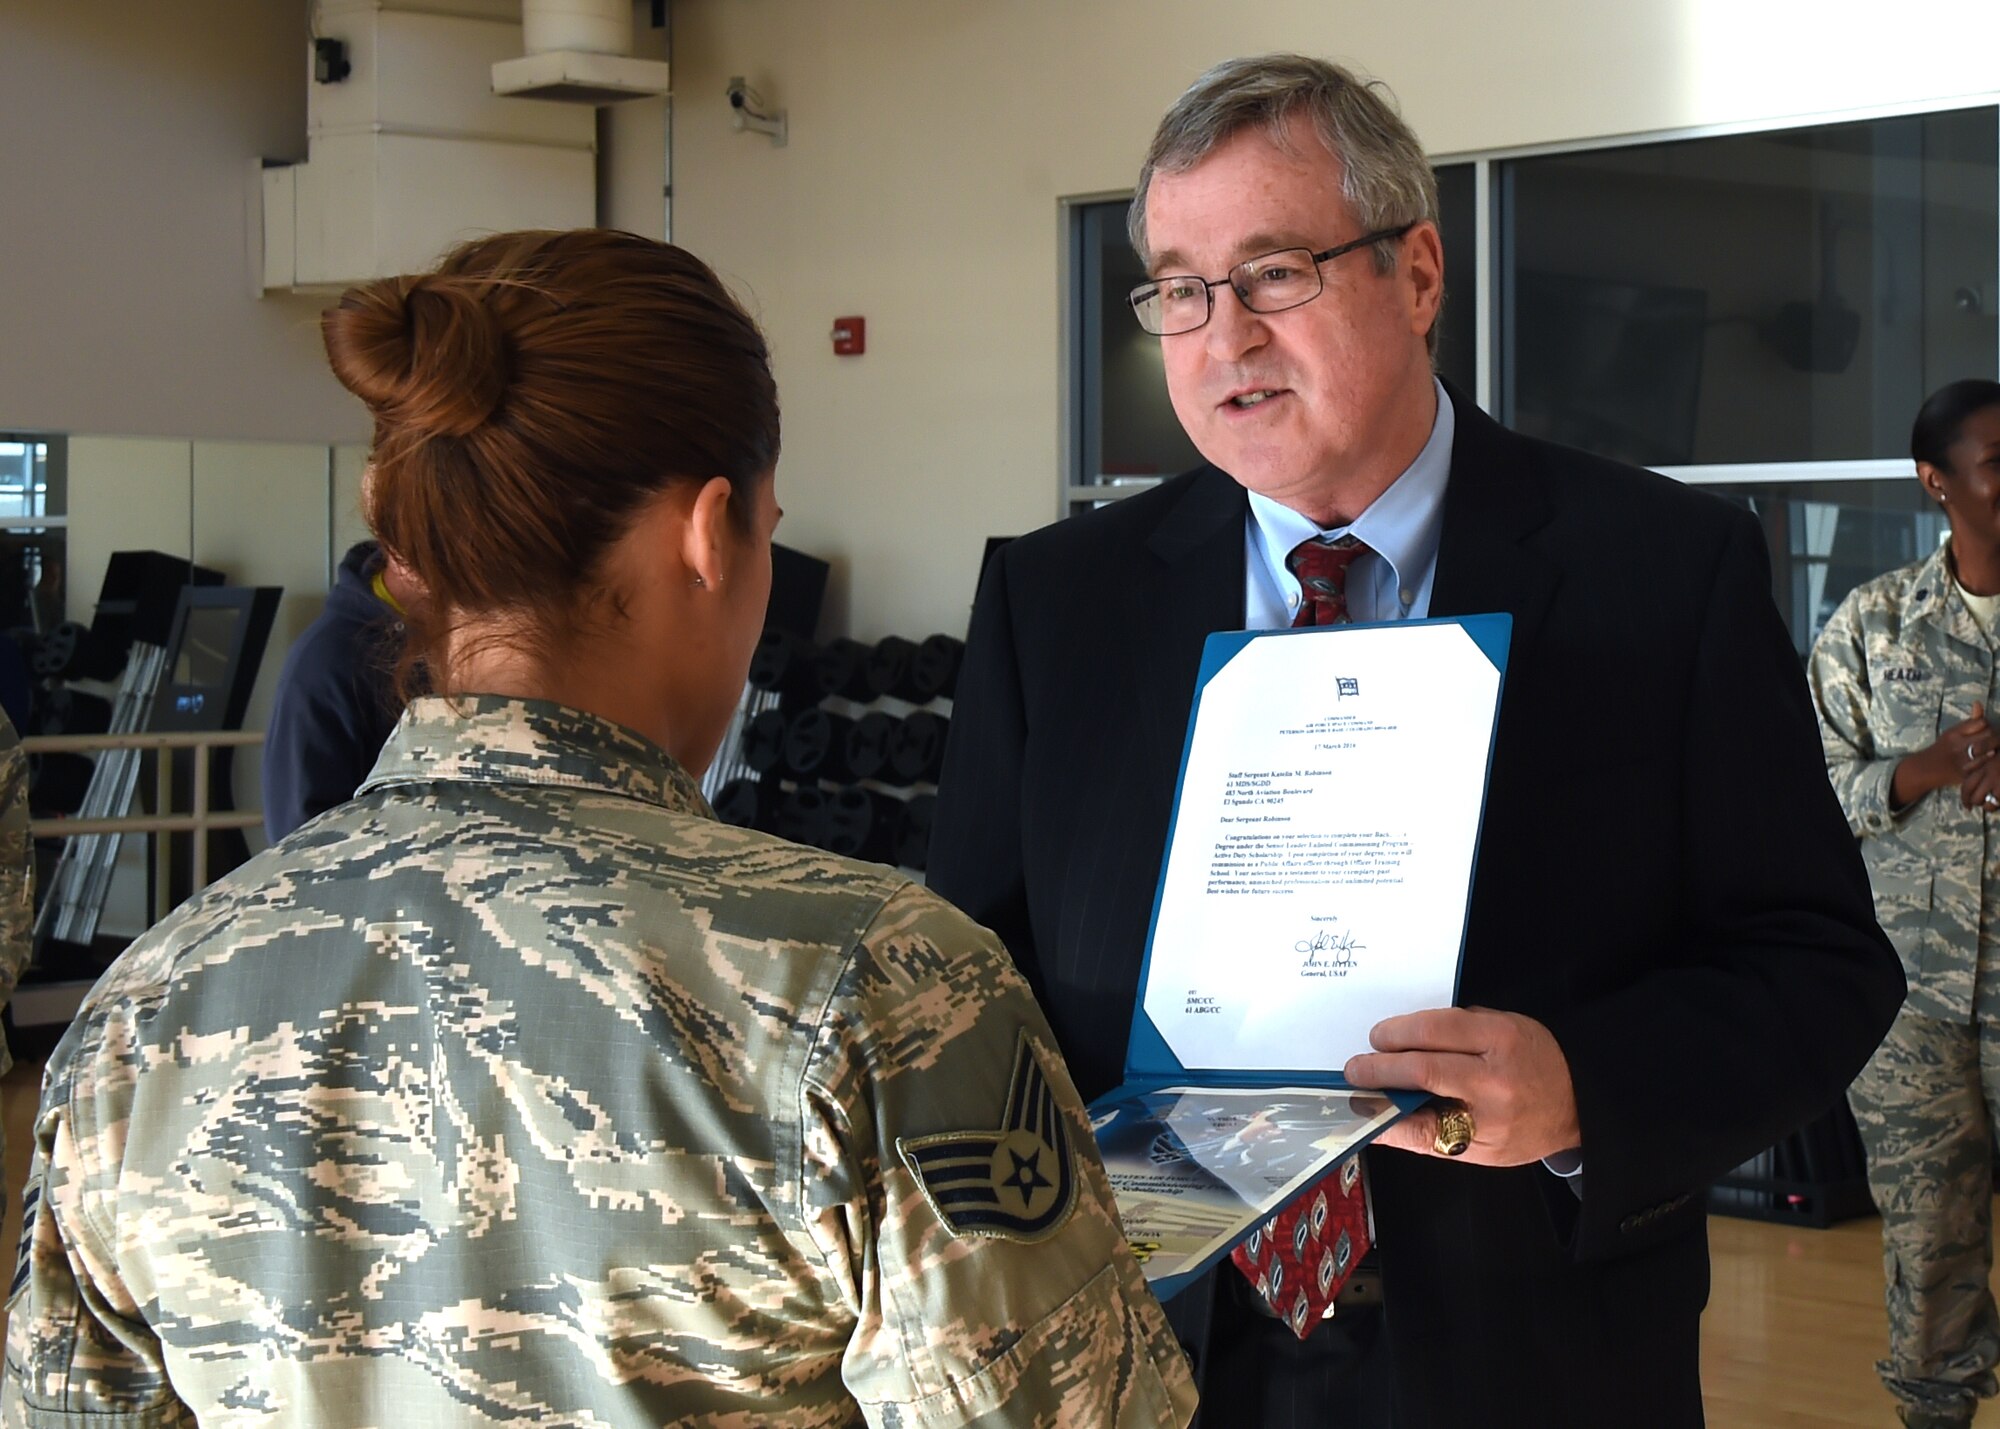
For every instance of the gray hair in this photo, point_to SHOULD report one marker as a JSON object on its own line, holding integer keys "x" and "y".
{"x": 1385, "y": 176}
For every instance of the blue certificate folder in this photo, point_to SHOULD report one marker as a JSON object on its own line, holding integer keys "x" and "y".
{"x": 1214, "y": 1129}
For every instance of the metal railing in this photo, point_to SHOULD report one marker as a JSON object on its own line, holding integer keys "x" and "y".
{"x": 200, "y": 820}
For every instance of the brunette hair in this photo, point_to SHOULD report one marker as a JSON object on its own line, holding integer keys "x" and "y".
{"x": 1941, "y": 419}
{"x": 529, "y": 396}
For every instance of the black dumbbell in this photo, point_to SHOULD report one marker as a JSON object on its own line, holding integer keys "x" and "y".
{"x": 816, "y": 745}
{"x": 868, "y": 745}
{"x": 787, "y": 666}
{"x": 912, "y": 845}
{"x": 861, "y": 823}
{"x": 748, "y": 803}
{"x": 801, "y": 816}
{"x": 934, "y": 668}
{"x": 916, "y": 750}
{"x": 889, "y": 668}
{"x": 843, "y": 671}
{"x": 764, "y": 741}
{"x": 58, "y": 650}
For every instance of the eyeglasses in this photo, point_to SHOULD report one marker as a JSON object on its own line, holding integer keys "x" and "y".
{"x": 1289, "y": 278}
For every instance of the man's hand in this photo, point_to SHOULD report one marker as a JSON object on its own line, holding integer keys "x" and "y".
{"x": 1506, "y": 1068}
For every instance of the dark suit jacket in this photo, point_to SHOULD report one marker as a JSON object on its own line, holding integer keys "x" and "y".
{"x": 1664, "y": 880}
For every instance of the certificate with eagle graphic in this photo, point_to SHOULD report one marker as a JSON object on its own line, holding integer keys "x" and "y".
{"x": 1195, "y": 1167}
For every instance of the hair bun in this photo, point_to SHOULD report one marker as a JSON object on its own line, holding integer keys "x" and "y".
{"x": 427, "y": 354}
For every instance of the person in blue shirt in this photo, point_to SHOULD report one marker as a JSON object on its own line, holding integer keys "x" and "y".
{"x": 336, "y": 698}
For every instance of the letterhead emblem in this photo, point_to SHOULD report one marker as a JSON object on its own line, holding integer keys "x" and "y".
{"x": 1015, "y": 1183}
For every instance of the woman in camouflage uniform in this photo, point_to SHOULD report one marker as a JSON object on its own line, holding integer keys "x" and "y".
{"x": 1904, "y": 675}
{"x": 519, "y": 1090}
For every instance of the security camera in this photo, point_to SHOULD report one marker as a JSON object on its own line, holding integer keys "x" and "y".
{"x": 751, "y": 112}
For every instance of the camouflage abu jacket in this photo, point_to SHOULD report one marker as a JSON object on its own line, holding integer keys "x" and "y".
{"x": 17, "y": 862}
{"x": 1902, "y": 660}
{"x": 521, "y": 1091}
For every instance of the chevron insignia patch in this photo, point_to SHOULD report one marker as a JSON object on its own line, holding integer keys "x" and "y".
{"x": 1017, "y": 1182}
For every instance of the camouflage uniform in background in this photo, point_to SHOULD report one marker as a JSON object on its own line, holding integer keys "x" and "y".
{"x": 17, "y": 869}
{"x": 1902, "y": 660}
{"x": 521, "y": 1091}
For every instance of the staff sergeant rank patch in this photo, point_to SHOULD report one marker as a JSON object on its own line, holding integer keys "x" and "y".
{"x": 1017, "y": 1183}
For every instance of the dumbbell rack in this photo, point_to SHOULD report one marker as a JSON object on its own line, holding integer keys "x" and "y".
{"x": 840, "y": 746}
{"x": 729, "y": 765}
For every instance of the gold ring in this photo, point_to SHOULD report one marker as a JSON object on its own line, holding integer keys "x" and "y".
{"x": 1455, "y": 1130}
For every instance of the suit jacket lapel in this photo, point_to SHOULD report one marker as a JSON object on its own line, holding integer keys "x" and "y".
{"x": 1493, "y": 504}
{"x": 1195, "y": 587}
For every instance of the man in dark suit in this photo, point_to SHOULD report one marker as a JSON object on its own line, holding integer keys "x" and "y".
{"x": 1671, "y": 957}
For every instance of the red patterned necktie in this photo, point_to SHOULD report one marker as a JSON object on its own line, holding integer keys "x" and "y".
{"x": 1321, "y": 566}
{"x": 1300, "y": 1257}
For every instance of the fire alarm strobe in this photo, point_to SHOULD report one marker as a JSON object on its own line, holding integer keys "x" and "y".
{"x": 850, "y": 336}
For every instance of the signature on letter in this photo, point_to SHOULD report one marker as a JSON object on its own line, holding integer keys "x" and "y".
{"x": 1326, "y": 949}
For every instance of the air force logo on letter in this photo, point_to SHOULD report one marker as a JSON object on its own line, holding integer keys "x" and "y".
{"x": 1016, "y": 1183}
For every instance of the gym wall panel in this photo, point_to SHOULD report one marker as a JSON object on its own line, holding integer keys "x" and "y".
{"x": 125, "y": 494}
{"x": 261, "y": 518}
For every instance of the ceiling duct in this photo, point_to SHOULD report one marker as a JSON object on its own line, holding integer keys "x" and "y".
{"x": 579, "y": 52}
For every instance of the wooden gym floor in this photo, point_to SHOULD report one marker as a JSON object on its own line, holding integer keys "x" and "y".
{"x": 1793, "y": 1329}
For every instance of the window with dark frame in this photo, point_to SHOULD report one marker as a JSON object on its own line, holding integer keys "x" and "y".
{"x": 1759, "y": 313}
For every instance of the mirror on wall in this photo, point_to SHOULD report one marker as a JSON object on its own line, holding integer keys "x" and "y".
{"x": 78, "y": 597}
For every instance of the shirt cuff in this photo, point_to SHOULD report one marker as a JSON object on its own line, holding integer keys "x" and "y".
{"x": 1874, "y": 812}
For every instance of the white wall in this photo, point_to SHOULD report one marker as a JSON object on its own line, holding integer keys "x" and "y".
{"x": 128, "y": 132}
{"x": 932, "y": 142}
{"x": 128, "y": 136}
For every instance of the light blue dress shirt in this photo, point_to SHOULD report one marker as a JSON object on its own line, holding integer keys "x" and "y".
{"x": 1392, "y": 580}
